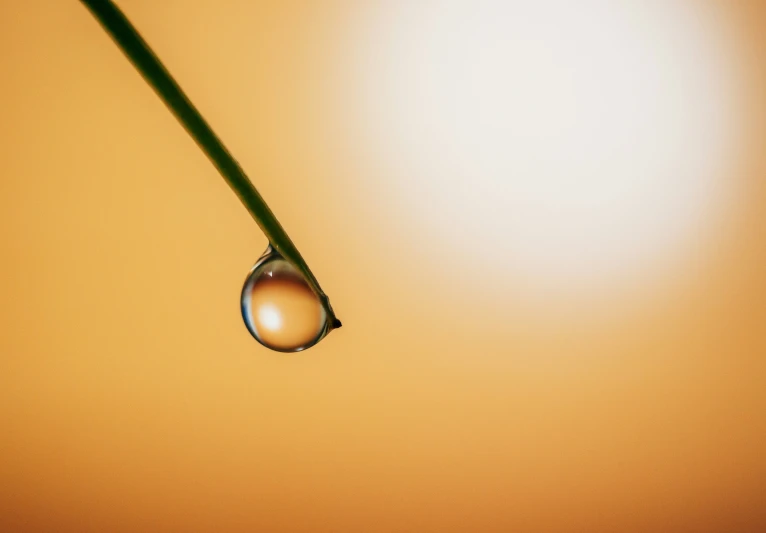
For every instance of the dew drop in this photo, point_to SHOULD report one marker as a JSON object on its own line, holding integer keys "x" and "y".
{"x": 279, "y": 307}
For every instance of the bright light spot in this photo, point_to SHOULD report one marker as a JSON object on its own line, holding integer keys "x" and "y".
{"x": 569, "y": 143}
{"x": 270, "y": 317}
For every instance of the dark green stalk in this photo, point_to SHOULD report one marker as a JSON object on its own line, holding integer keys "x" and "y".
{"x": 135, "y": 48}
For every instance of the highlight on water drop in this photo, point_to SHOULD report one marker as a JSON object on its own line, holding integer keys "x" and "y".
{"x": 279, "y": 307}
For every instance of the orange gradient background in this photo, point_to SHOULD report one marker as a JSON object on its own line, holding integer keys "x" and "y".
{"x": 132, "y": 398}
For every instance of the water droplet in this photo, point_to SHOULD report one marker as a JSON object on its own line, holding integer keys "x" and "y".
{"x": 279, "y": 307}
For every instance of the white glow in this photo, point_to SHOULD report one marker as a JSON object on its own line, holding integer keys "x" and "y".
{"x": 572, "y": 143}
{"x": 270, "y": 317}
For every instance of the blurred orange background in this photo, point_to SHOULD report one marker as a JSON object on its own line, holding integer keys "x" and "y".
{"x": 132, "y": 398}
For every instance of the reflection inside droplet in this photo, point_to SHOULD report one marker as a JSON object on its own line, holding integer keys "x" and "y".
{"x": 270, "y": 317}
{"x": 279, "y": 308}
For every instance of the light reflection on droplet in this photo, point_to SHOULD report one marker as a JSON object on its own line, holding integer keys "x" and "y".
{"x": 270, "y": 317}
{"x": 279, "y": 308}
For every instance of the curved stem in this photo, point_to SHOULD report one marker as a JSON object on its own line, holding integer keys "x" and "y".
{"x": 146, "y": 62}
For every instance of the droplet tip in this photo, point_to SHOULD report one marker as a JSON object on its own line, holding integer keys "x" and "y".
{"x": 336, "y": 323}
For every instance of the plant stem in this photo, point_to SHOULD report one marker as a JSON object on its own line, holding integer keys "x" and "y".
{"x": 146, "y": 62}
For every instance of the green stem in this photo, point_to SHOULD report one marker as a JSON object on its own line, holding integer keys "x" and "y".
{"x": 150, "y": 67}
